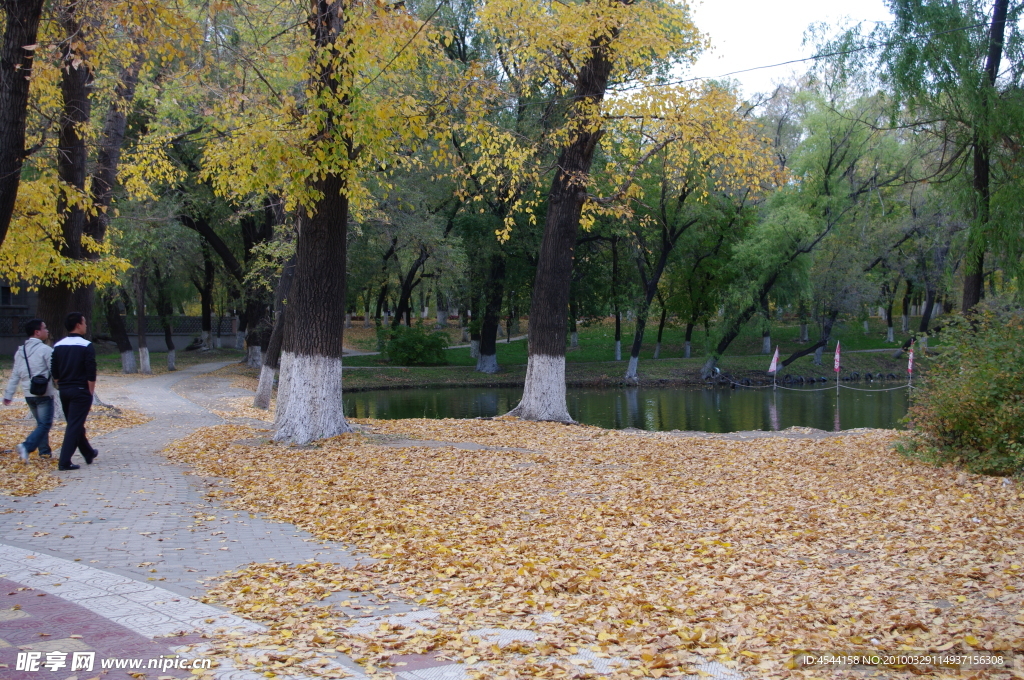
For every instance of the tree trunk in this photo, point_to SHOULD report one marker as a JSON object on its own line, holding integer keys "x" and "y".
{"x": 907, "y": 298}
{"x": 169, "y": 339}
{"x": 544, "y": 391}
{"x": 309, "y": 404}
{"x": 120, "y": 335}
{"x": 408, "y": 286}
{"x": 140, "y": 320}
{"x": 974, "y": 274}
{"x": 615, "y": 298}
{"x": 816, "y": 349}
{"x": 766, "y": 342}
{"x": 272, "y": 357}
{"x": 21, "y": 25}
{"x": 689, "y": 337}
{"x": 206, "y": 297}
{"x": 926, "y": 313}
{"x": 72, "y": 158}
{"x": 487, "y": 361}
{"x": 661, "y": 331}
{"x": 889, "y": 334}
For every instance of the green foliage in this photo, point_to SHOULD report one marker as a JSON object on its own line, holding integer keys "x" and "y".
{"x": 413, "y": 346}
{"x": 970, "y": 408}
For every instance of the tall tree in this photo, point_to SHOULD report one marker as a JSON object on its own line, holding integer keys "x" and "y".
{"x": 21, "y": 25}
{"x": 353, "y": 122}
{"x": 942, "y": 60}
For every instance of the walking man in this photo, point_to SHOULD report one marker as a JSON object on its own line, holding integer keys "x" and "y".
{"x": 31, "y": 360}
{"x": 74, "y": 372}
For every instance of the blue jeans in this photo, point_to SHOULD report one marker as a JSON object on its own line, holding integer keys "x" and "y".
{"x": 42, "y": 411}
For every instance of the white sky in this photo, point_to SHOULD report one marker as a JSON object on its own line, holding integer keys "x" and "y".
{"x": 748, "y": 33}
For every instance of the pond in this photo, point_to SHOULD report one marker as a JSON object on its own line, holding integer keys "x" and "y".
{"x": 709, "y": 410}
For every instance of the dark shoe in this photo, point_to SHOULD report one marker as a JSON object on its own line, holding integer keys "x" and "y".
{"x": 90, "y": 459}
{"x": 69, "y": 467}
{"x": 46, "y": 455}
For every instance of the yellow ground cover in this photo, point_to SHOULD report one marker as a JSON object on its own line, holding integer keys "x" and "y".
{"x": 639, "y": 545}
{"x": 19, "y": 479}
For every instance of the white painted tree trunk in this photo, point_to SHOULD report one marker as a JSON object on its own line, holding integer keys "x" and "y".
{"x": 254, "y": 357}
{"x": 574, "y": 339}
{"x": 657, "y": 349}
{"x": 426, "y": 313}
{"x": 686, "y": 350}
{"x": 618, "y": 350}
{"x": 348, "y": 320}
{"x": 905, "y": 323}
{"x": 487, "y": 363}
{"x": 366, "y": 321}
{"x": 465, "y": 335}
{"x": 804, "y": 337}
{"x": 474, "y": 349}
{"x": 817, "y": 356}
{"x": 240, "y": 340}
{"x": 922, "y": 343}
{"x": 544, "y": 393}
{"x": 128, "y": 364}
{"x": 205, "y": 337}
{"x": 216, "y": 342}
{"x": 314, "y": 407}
{"x": 442, "y": 318}
{"x": 867, "y": 328}
{"x": 144, "y": 366}
{"x": 708, "y": 369}
{"x": 283, "y": 386}
{"x": 890, "y": 335}
{"x": 265, "y": 389}
{"x": 171, "y": 358}
{"x": 631, "y": 368}
{"x": 766, "y": 344}
{"x": 501, "y": 331}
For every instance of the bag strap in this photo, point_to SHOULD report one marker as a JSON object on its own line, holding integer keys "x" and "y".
{"x": 28, "y": 366}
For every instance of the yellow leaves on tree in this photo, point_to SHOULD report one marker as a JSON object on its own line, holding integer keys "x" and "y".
{"x": 293, "y": 131}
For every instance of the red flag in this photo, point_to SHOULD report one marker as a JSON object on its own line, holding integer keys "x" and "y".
{"x": 775, "y": 361}
{"x": 910, "y": 361}
{"x": 837, "y": 357}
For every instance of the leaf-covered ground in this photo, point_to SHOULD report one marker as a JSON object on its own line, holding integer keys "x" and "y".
{"x": 646, "y": 546}
{"x": 19, "y": 479}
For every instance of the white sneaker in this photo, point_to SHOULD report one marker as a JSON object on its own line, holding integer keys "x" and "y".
{"x": 20, "y": 448}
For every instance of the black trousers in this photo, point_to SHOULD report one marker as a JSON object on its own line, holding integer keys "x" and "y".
{"x": 76, "y": 402}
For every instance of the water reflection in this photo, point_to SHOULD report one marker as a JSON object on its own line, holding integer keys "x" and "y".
{"x": 709, "y": 410}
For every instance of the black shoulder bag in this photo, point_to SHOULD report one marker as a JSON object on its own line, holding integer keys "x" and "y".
{"x": 37, "y": 383}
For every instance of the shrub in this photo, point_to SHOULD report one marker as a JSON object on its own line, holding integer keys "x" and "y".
{"x": 413, "y": 346}
{"x": 969, "y": 408}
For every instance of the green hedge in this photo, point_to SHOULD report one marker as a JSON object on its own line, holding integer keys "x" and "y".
{"x": 413, "y": 346}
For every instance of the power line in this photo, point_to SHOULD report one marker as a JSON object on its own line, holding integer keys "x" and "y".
{"x": 825, "y": 55}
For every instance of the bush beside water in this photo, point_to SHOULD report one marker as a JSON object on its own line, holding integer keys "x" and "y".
{"x": 969, "y": 408}
{"x": 413, "y": 346}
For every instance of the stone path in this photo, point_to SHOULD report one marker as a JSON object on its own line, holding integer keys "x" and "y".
{"x": 109, "y": 563}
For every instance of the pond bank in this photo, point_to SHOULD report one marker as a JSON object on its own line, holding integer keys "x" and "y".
{"x": 653, "y": 373}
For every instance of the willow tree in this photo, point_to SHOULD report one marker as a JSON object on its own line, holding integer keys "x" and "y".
{"x": 332, "y": 113}
{"x": 954, "y": 68}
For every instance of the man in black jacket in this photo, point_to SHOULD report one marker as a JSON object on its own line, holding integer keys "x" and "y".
{"x": 74, "y": 371}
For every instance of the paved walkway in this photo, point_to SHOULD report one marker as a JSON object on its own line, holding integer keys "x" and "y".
{"x": 106, "y": 567}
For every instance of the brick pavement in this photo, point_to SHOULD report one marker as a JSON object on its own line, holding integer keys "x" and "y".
{"x": 111, "y": 560}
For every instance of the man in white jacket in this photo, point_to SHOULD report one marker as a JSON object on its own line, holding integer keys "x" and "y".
{"x": 31, "y": 359}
